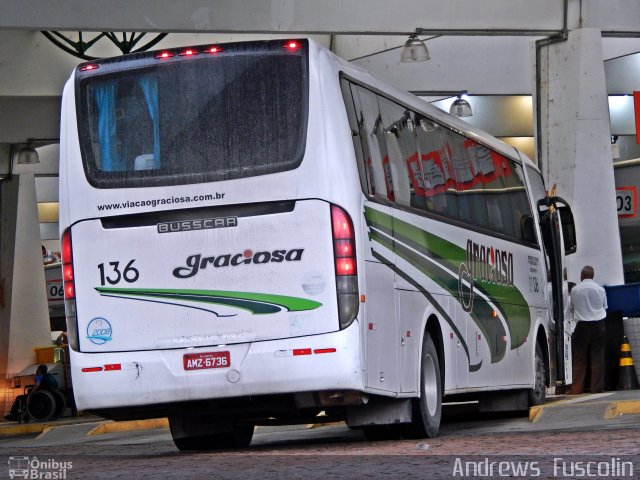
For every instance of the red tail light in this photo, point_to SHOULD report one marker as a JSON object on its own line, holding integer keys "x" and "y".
{"x": 344, "y": 253}
{"x": 67, "y": 266}
{"x": 69, "y": 286}
{"x": 345, "y": 266}
{"x": 214, "y": 49}
{"x": 343, "y": 242}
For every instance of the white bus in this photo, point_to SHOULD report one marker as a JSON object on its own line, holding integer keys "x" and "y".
{"x": 258, "y": 232}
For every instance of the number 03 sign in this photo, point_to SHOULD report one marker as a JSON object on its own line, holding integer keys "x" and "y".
{"x": 627, "y": 201}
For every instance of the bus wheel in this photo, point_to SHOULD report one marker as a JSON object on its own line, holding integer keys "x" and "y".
{"x": 538, "y": 394}
{"x": 198, "y": 433}
{"x": 430, "y": 402}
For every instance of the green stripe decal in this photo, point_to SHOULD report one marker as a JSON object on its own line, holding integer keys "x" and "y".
{"x": 256, "y": 303}
{"x": 441, "y": 311}
{"x": 443, "y": 257}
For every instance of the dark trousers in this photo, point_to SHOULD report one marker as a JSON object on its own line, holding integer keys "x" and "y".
{"x": 587, "y": 345}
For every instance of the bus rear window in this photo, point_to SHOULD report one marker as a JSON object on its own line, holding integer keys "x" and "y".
{"x": 210, "y": 118}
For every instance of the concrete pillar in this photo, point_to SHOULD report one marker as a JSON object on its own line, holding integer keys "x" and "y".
{"x": 576, "y": 149}
{"x": 24, "y": 316}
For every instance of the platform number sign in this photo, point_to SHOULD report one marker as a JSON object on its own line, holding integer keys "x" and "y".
{"x": 627, "y": 201}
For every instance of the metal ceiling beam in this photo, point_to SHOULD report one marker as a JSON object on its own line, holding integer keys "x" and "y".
{"x": 379, "y": 17}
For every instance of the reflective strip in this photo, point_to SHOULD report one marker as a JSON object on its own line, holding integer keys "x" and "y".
{"x": 626, "y": 362}
{"x": 301, "y": 351}
{"x": 92, "y": 369}
{"x": 324, "y": 350}
{"x": 625, "y": 347}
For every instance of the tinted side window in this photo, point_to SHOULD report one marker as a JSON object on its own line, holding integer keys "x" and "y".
{"x": 372, "y": 137}
{"x": 361, "y": 152}
{"x": 432, "y": 152}
{"x": 519, "y": 203}
{"x": 413, "y": 161}
{"x": 399, "y": 136}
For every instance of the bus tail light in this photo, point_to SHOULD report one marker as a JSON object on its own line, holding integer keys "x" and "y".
{"x": 344, "y": 252}
{"x": 68, "y": 279}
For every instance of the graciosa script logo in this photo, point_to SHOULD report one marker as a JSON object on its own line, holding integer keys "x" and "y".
{"x": 99, "y": 331}
{"x": 197, "y": 262}
{"x": 486, "y": 264}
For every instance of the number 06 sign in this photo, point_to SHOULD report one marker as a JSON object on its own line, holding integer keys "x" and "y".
{"x": 627, "y": 201}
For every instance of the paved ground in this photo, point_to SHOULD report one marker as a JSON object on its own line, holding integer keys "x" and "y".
{"x": 573, "y": 436}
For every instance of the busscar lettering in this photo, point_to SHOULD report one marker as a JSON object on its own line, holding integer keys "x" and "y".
{"x": 197, "y": 224}
{"x": 196, "y": 262}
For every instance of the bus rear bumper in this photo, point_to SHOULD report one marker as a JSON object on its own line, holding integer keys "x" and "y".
{"x": 117, "y": 380}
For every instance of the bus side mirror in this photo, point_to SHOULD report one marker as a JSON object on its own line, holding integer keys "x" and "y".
{"x": 568, "y": 230}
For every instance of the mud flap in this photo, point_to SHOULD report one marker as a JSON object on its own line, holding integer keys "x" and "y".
{"x": 380, "y": 411}
{"x": 503, "y": 401}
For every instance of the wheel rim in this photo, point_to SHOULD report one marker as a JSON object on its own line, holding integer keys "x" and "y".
{"x": 430, "y": 387}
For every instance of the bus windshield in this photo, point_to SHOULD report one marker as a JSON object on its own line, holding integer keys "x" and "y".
{"x": 215, "y": 117}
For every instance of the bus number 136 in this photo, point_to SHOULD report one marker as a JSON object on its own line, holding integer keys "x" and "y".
{"x": 113, "y": 275}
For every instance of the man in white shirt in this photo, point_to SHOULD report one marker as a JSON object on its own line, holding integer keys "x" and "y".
{"x": 588, "y": 306}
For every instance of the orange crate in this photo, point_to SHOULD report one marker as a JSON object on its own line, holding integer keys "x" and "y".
{"x": 44, "y": 355}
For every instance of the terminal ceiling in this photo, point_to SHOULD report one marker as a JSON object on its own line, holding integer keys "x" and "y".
{"x": 483, "y": 47}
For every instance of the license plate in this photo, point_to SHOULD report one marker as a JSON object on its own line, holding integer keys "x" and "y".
{"x": 197, "y": 361}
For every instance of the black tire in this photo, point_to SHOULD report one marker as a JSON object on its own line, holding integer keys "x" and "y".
{"x": 428, "y": 408}
{"x": 538, "y": 394}
{"x": 238, "y": 437}
{"x": 41, "y": 405}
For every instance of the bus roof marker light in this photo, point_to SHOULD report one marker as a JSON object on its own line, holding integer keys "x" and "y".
{"x": 163, "y": 55}
{"x": 292, "y": 45}
{"x": 89, "y": 66}
{"x": 213, "y": 49}
{"x": 188, "y": 52}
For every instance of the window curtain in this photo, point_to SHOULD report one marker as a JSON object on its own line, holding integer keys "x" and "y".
{"x": 149, "y": 87}
{"x": 106, "y": 103}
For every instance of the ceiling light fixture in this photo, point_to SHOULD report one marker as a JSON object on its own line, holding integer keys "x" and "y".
{"x": 414, "y": 50}
{"x": 28, "y": 155}
{"x": 461, "y": 107}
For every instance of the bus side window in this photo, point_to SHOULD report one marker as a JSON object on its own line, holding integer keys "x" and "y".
{"x": 431, "y": 149}
{"x": 522, "y": 216}
{"x": 472, "y": 192}
{"x": 457, "y": 174}
{"x": 398, "y": 127}
{"x": 376, "y": 163}
{"x": 498, "y": 209}
{"x": 361, "y": 147}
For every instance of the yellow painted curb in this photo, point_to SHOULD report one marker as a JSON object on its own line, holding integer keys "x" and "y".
{"x": 23, "y": 429}
{"x": 622, "y": 407}
{"x": 535, "y": 413}
{"x": 318, "y": 425}
{"x": 128, "y": 425}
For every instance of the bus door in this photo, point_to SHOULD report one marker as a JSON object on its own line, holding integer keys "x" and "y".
{"x": 558, "y": 232}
